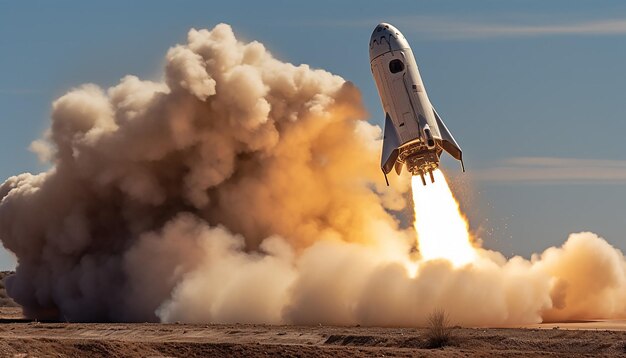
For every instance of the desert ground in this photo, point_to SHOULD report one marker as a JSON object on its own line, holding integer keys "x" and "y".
{"x": 20, "y": 337}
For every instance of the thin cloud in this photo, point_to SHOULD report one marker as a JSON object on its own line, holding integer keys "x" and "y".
{"x": 451, "y": 28}
{"x": 17, "y": 92}
{"x": 549, "y": 170}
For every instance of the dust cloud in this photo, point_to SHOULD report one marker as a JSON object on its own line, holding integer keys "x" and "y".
{"x": 244, "y": 189}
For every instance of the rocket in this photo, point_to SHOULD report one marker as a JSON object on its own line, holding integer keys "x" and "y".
{"x": 414, "y": 133}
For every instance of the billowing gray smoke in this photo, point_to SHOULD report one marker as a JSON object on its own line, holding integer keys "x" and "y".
{"x": 245, "y": 189}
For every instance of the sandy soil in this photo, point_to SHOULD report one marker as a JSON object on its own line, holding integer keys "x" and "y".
{"x": 21, "y": 338}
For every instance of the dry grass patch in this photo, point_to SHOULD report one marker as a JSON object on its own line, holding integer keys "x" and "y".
{"x": 439, "y": 329}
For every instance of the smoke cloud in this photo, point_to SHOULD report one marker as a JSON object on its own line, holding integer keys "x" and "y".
{"x": 244, "y": 189}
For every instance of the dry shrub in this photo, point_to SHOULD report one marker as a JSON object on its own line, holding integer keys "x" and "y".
{"x": 439, "y": 330}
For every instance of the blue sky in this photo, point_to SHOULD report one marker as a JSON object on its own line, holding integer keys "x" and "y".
{"x": 534, "y": 91}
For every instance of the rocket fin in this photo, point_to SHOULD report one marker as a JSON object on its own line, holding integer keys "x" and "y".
{"x": 447, "y": 140}
{"x": 391, "y": 142}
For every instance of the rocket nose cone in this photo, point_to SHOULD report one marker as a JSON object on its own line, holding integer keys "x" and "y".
{"x": 385, "y": 38}
{"x": 381, "y": 29}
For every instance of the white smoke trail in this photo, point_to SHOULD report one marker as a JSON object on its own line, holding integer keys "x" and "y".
{"x": 245, "y": 189}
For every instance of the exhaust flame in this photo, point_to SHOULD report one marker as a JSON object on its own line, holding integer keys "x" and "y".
{"x": 441, "y": 228}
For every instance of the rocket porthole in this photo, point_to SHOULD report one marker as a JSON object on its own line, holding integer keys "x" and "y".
{"x": 396, "y": 66}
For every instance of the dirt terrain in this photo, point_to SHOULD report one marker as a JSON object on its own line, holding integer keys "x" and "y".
{"x": 23, "y": 338}
{"x": 34, "y": 339}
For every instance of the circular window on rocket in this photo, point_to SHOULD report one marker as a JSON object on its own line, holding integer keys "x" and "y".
{"x": 396, "y": 66}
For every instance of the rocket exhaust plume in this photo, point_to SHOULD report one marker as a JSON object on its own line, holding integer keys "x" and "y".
{"x": 442, "y": 230}
{"x": 244, "y": 189}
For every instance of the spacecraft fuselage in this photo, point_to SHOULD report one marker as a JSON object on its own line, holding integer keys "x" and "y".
{"x": 414, "y": 133}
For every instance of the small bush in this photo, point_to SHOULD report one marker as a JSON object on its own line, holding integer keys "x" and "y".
{"x": 439, "y": 330}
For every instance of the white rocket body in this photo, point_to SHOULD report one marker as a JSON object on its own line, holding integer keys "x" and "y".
{"x": 414, "y": 133}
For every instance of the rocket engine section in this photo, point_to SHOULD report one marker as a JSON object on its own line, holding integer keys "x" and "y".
{"x": 414, "y": 133}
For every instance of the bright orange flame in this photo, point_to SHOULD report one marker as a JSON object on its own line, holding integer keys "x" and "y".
{"x": 442, "y": 231}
